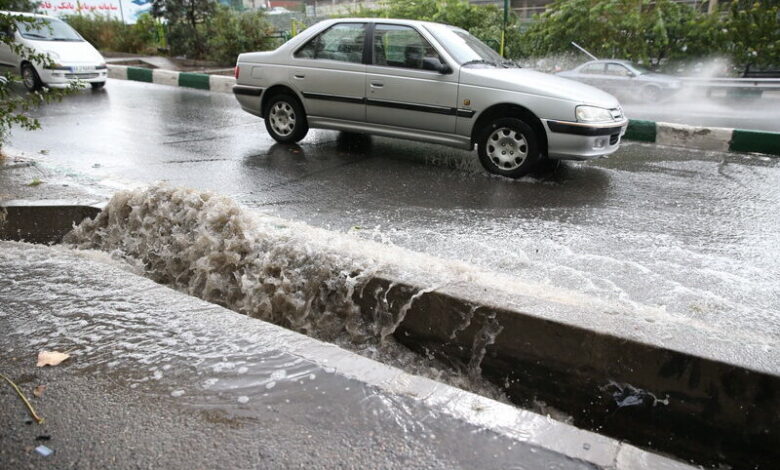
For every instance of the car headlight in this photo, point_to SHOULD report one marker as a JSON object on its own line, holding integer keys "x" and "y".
{"x": 593, "y": 114}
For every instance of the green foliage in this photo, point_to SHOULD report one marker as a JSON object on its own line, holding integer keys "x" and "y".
{"x": 640, "y": 30}
{"x": 18, "y": 5}
{"x": 15, "y": 108}
{"x": 230, "y": 33}
{"x": 752, "y": 29}
{"x": 483, "y": 21}
{"x": 108, "y": 34}
{"x": 186, "y": 20}
{"x": 650, "y": 31}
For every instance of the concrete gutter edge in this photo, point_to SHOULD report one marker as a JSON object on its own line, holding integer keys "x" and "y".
{"x": 720, "y": 139}
{"x": 200, "y": 81}
{"x": 677, "y": 135}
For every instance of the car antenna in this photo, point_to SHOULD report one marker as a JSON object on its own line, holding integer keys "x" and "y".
{"x": 584, "y": 50}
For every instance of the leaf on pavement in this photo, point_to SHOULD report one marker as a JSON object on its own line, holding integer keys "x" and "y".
{"x": 51, "y": 358}
{"x": 38, "y": 390}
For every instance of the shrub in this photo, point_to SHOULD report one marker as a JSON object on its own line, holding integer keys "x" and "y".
{"x": 109, "y": 34}
{"x": 231, "y": 33}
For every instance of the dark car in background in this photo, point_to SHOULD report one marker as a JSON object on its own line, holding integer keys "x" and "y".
{"x": 625, "y": 79}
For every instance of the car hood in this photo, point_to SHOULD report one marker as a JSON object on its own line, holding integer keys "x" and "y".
{"x": 537, "y": 83}
{"x": 70, "y": 52}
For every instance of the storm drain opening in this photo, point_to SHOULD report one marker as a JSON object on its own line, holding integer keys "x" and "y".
{"x": 442, "y": 320}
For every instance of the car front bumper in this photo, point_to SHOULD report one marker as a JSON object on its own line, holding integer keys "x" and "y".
{"x": 62, "y": 77}
{"x": 579, "y": 141}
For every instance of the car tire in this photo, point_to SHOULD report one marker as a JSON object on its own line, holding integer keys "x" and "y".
{"x": 651, "y": 94}
{"x": 97, "y": 85}
{"x": 508, "y": 147}
{"x": 30, "y": 78}
{"x": 285, "y": 119}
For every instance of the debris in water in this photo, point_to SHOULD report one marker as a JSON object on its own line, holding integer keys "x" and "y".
{"x": 19, "y": 392}
{"x": 628, "y": 395}
{"x": 35, "y": 182}
{"x": 38, "y": 391}
{"x": 51, "y": 358}
{"x": 44, "y": 451}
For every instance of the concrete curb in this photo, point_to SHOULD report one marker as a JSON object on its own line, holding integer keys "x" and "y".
{"x": 720, "y": 139}
{"x": 664, "y": 133}
{"x": 200, "y": 81}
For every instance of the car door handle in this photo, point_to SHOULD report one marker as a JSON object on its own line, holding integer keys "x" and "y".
{"x": 299, "y": 76}
{"x": 377, "y": 84}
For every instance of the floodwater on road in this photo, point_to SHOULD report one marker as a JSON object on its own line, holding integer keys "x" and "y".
{"x": 692, "y": 234}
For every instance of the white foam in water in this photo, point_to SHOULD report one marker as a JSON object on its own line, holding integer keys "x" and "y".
{"x": 289, "y": 273}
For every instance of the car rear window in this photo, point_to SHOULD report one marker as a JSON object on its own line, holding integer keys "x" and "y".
{"x": 342, "y": 42}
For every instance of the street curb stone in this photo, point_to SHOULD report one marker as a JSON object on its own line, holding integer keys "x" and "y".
{"x": 678, "y": 135}
{"x": 704, "y": 138}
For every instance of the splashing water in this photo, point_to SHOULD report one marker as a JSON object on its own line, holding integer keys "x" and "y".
{"x": 285, "y": 273}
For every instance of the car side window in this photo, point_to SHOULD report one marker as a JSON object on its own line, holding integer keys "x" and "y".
{"x": 594, "y": 69}
{"x": 403, "y": 46}
{"x": 617, "y": 70}
{"x": 342, "y": 42}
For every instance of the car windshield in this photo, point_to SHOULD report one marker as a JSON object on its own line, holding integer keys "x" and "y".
{"x": 465, "y": 48}
{"x": 48, "y": 29}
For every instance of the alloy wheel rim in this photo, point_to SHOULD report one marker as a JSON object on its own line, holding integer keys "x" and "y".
{"x": 282, "y": 118}
{"x": 28, "y": 78}
{"x": 507, "y": 148}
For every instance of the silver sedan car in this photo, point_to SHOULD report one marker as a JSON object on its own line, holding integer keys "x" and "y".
{"x": 625, "y": 78}
{"x": 428, "y": 82}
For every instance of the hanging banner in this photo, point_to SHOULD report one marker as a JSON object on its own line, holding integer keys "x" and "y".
{"x": 127, "y": 11}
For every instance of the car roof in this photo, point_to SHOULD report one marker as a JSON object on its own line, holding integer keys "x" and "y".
{"x": 22, "y": 13}
{"x": 609, "y": 61}
{"x": 384, "y": 20}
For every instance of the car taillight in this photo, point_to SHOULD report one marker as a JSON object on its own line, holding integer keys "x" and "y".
{"x": 236, "y": 72}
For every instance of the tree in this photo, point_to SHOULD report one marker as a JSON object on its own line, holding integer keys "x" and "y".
{"x": 15, "y": 108}
{"x": 640, "y": 30}
{"x": 752, "y": 29}
{"x": 483, "y": 21}
{"x": 185, "y": 18}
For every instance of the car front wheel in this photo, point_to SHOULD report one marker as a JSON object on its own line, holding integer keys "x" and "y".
{"x": 97, "y": 85}
{"x": 30, "y": 78}
{"x": 508, "y": 147}
{"x": 285, "y": 119}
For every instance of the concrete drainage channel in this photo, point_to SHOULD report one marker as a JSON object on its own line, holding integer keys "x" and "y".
{"x": 696, "y": 398}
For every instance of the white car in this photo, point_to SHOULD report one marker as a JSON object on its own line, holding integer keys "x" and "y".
{"x": 429, "y": 82}
{"x": 73, "y": 58}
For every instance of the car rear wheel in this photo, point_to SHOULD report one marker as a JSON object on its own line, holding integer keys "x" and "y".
{"x": 508, "y": 147}
{"x": 285, "y": 119}
{"x": 30, "y": 78}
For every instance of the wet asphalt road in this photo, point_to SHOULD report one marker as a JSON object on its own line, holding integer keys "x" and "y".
{"x": 694, "y": 233}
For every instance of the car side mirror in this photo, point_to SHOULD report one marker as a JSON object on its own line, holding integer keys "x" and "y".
{"x": 631, "y": 75}
{"x": 445, "y": 69}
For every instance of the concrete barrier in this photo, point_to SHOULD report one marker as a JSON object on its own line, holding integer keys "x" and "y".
{"x": 693, "y": 404}
{"x": 201, "y": 81}
{"x": 704, "y": 138}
